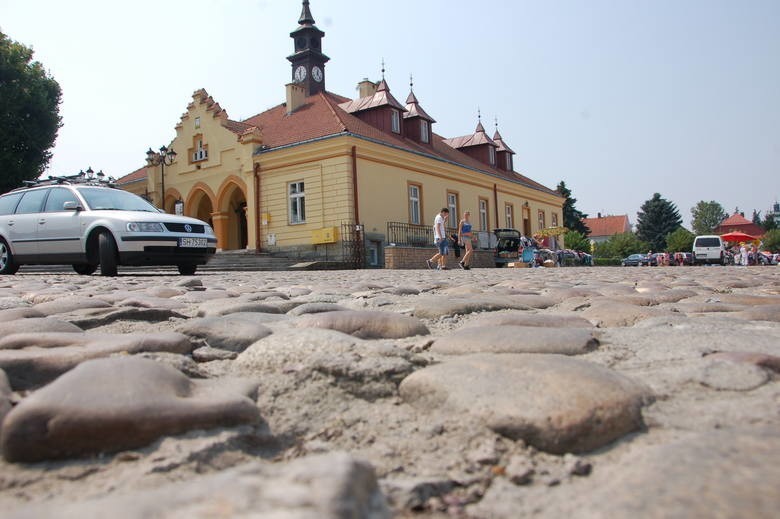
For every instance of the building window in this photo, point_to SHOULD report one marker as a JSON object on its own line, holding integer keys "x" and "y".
{"x": 509, "y": 212}
{"x": 297, "y": 203}
{"x": 492, "y": 152}
{"x": 452, "y": 205}
{"x": 200, "y": 151}
{"x": 395, "y": 120}
{"x": 554, "y": 219}
{"x": 483, "y": 214}
{"x": 197, "y": 122}
{"x": 424, "y": 137}
{"x": 541, "y": 220}
{"x": 509, "y": 162}
{"x": 414, "y": 203}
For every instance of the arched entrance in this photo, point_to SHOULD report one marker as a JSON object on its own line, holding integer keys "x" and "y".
{"x": 199, "y": 206}
{"x": 232, "y": 206}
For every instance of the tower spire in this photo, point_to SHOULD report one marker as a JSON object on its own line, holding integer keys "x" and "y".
{"x": 306, "y": 17}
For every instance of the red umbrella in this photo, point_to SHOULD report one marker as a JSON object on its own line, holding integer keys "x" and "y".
{"x": 736, "y": 236}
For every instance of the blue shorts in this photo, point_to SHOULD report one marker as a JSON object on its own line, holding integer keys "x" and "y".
{"x": 444, "y": 246}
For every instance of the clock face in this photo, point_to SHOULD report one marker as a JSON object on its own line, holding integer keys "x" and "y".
{"x": 300, "y": 73}
{"x": 316, "y": 73}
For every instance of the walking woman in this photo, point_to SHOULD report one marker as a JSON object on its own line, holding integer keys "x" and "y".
{"x": 464, "y": 237}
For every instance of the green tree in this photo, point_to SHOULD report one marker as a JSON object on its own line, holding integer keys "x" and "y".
{"x": 572, "y": 218}
{"x": 657, "y": 218}
{"x": 769, "y": 223}
{"x": 29, "y": 114}
{"x": 771, "y": 241}
{"x": 576, "y": 241}
{"x": 620, "y": 246}
{"x": 756, "y": 217}
{"x": 680, "y": 240}
{"x": 707, "y": 216}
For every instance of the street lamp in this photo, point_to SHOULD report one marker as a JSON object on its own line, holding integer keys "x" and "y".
{"x": 164, "y": 157}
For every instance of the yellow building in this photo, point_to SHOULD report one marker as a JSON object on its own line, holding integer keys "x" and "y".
{"x": 298, "y": 178}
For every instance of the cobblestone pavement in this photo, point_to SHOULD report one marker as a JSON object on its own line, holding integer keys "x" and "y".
{"x": 489, "y": 393}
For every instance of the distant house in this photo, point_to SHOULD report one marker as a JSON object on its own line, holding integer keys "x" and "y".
{"x": 603, "y": 228}
{"x": 737, "y": 222}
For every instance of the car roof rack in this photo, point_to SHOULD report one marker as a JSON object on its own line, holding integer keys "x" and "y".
{"x": 81, "y": 178}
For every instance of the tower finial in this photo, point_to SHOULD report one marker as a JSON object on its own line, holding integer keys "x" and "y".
{"x": 496, "y": 122}
{"x": 306, "y": 17}
{"x": 383, "y": 68}
{"x": 411, "y": 83}
{"x": 479, "y": 115}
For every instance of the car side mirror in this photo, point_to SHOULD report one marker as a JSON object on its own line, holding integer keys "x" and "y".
{"x": 72, "y": 206}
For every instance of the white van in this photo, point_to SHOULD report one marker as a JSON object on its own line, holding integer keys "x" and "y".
{"x": 708, "y": 249}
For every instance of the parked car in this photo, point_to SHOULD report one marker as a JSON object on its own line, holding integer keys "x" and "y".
{"x": 633, "y": 260}
{"x": 507, "y": 246}
{"x": 88, "y": 223}
{"x": 708, "y": 249}
{"x": 686, "y": 258}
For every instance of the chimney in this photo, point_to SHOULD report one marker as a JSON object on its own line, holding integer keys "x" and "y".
{"x": 366, "y": 88}
{"x": 599, "y": 215}
{"x": 296, "y": 95}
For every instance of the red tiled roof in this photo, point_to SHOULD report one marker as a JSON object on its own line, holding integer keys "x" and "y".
{"x": 136, "y": 176}
{"x": 737, "y": 222}
{"x": 607, "y": 225}
{"x": 478, "y": 137}
{"x": 735, "y": 219}
{"x": 322, "y": 116}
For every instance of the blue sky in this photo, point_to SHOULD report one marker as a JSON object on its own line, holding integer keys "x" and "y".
{"x": 618, "y": 98}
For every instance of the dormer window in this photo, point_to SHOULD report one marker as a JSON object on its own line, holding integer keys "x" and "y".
{"x": 492, "y": 152}
{"x": 424, "y": 131}
{"x": 395, "y": 121}
{"x": 509, "y": 162}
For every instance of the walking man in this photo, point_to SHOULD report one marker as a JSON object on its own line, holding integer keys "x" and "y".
{"x": 439, "y": 260}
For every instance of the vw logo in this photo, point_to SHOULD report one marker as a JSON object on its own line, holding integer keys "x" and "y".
{"x": 188, "y": 227}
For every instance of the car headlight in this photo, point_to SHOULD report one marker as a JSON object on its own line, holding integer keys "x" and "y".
{"x": 145, "y": 227}
{"x": 207, "y": 229}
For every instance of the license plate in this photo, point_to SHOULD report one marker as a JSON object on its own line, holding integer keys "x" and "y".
{"x": 192, "y": 242}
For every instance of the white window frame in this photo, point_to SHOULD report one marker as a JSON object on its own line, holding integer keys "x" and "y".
{"x": 297, "y": 196}
{"x": 542, "y": 219}
{"x": 554, "y": 219}
{"x": 509, "y": 216}
{"x": 424, "y": 129}
{"x": 395, "y": 121}
{"x": 414, "y": 204}
{"x": 492, "y": 153}
{"x": 483, "y": 214}
{"x": 200, "y": 152}
{"x": 509, "y": 162}
{"x": 452, "y": 205}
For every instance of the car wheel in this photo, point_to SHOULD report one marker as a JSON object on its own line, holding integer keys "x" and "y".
{"x": 7, "y": 263}
{"x": 187, "y": 270}
{"x": 499, "y": 265}
{"x": 85, "y": 269}
{"x": 107, "y": 253}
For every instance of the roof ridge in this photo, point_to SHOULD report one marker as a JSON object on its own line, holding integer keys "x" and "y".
{"x": 333, "y": 111}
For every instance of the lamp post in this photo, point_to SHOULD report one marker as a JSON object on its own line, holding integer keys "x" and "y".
{"x": 164, "y": 157}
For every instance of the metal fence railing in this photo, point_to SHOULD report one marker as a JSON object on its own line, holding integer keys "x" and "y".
{"x": 411, "y": 235}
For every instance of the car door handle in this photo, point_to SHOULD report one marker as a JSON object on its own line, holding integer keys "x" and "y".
{"x": 42, "y": 221}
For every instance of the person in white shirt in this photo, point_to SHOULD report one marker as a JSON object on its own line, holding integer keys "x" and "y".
{"x": 439, "y": 260}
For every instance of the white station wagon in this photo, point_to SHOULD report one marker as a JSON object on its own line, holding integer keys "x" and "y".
{"x": 89, "y": 223}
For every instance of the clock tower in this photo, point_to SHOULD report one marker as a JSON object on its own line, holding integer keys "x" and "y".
{"x": 308, "y": 61}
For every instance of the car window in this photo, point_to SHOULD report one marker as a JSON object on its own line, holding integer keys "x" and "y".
{"x": 100, "y": 198}
{"x": 31, "y": 201}
{"x": 57, "y": 197}
{"x": 8, "y": 203}
{"x": 707, "y": 242}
